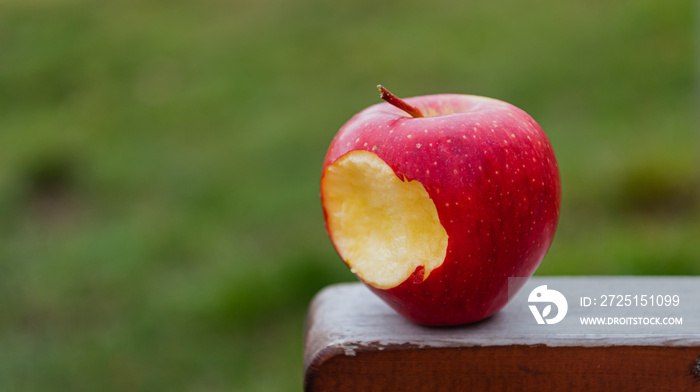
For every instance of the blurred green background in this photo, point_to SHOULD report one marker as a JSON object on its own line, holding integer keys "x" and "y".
{"x": 161, "y": 228}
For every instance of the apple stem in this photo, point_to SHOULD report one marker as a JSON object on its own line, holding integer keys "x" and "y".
{"x": 399, "y": 103}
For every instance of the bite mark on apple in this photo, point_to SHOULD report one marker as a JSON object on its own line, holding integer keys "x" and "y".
{"x": 384, "y": 227}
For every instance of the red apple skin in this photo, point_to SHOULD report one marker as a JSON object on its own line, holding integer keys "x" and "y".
{"x": 494, "y": 179}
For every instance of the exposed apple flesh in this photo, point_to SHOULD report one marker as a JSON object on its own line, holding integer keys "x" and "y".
{"x": 383, "y": 227}
{"x": 491, "y": 179}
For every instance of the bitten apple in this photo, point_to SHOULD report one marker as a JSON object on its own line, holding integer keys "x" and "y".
{"x": 435, "y": 201}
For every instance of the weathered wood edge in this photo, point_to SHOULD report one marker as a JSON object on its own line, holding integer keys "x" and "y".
{"x": 601, "y": 368}
{"x": 326, "y": 344}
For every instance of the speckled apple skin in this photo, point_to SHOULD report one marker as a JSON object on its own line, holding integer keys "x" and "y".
{"x": 491, "y": 172}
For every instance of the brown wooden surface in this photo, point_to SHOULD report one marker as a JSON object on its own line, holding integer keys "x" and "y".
{"x": 514, "y": 368}
{"x": 354, "y": 342}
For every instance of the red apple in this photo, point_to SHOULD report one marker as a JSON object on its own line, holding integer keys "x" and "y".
{"x": 435, "y": 201}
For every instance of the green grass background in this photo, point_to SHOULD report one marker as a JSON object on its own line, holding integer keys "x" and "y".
{"x": 161, "y": 228}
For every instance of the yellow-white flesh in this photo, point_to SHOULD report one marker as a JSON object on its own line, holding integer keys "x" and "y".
{"x": 383, "y": 227}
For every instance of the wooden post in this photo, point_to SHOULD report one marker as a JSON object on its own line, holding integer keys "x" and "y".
{"x": 355, "y": 342}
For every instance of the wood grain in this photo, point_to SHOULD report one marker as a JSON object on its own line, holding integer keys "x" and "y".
{"x": 354, "y": 342}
